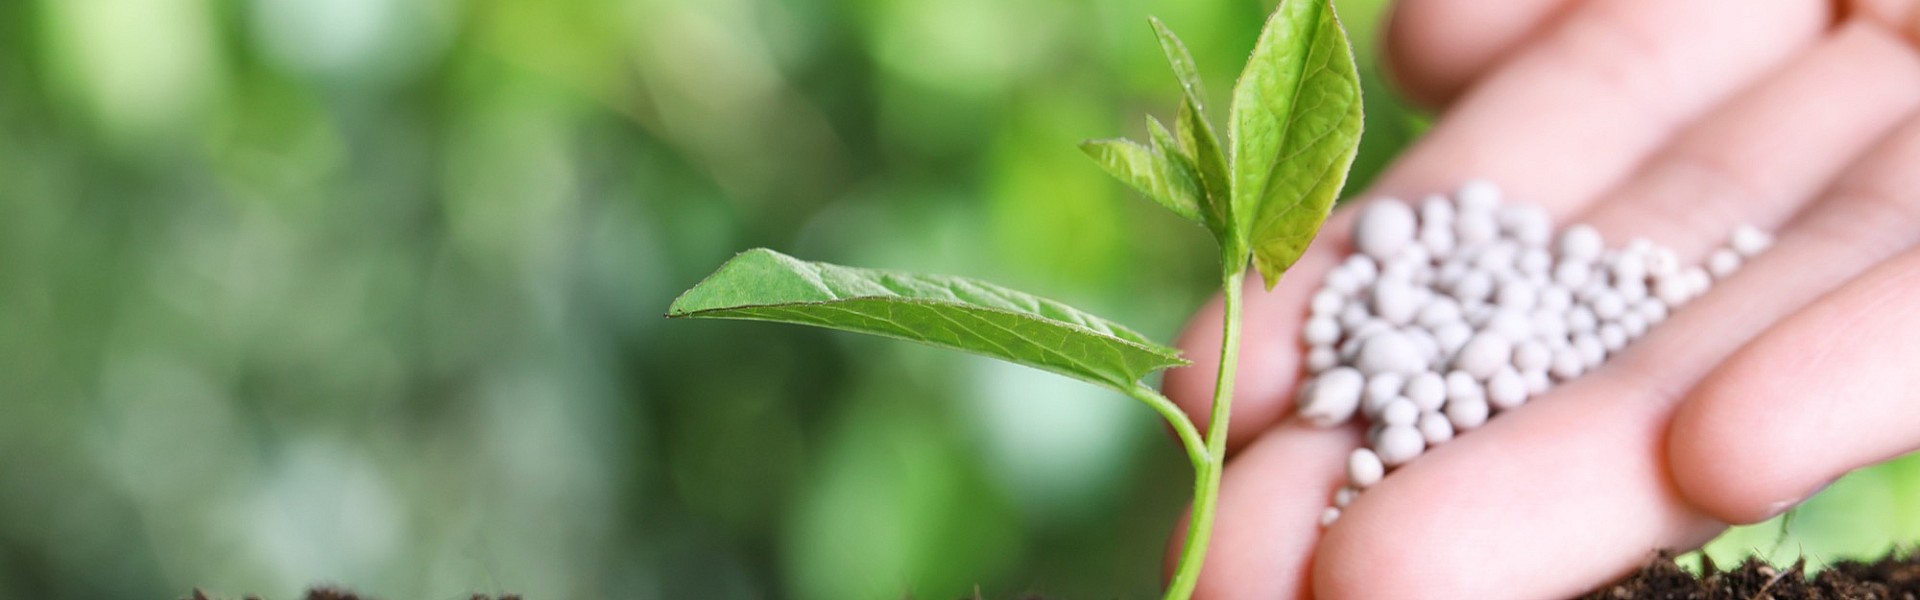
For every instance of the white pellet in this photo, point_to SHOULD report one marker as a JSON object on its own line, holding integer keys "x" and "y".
{"x": 1461, "y": 386}
{"x": 1510, "y": 324}
{"x": 1343, "y": 281}
{"x": 1723, "y": 262}
{"x": 1435, "y": 428}
{"x": 1478, "y": 313}
{"x": 1327, "y": 302}
{"x": 1474, "y": 227}
{"x": 1580, "y": 319}
{"x": 1581, "y": 242}
{"x": 1427, "y": 390}
{"x": 1345, "y": 496}
{"x": 1526, "y": 223}
{"x": 1400, "y": 411}
{"x": 1531, "y": 355}
{"x": 1673, "y": 290}
{"x": 1475, "y": 286}
{"x": 1549, "y": 324}
{"x": 1631, "y": 290}
{"x": 1381, "y": 389}
{"x": 1555, "y": 297}
{"x": 1634, "y": 323}
{"x": 1483, "y": 355}
{"x": 1537, "y": 381}
{"x": 1352, "y": 316}
{"x": 1322, "y": 358}
{"x": 1452, "y": 337}
{"x": 1749, "y": 240}
{"x": 1385, "y": 227}
{"x": 1609, "y": 305}
{"x": 1536, "y": 262}
{"x": 1436, "y": 209}
{"x": 1329, "y": 516}
{"x": 1438, "y": 239}
{"x": 1516, "y": 294}
{"x": 1389, "y": 352}
{"x": 1572, "y": 273}
{"x": 1497, "y": 258}
{"x": 1698, "y": 281}
{"x": 1568, "y": 363}
{"x": 1592, "y": 353}
{"x": 1653, "y": 310}
{"x": 1439, "y": 312}
{"x": 1372, "y": 327}
{"x": 1450, "y": 273}
{"x": 1478, "y": 195}
{"x": 1630, "y": 266}
{"x": 1613, "y": 337}
{"x": 1320, "y": 331}
{"x": 1467, "y": 413}
{"x": 1362, "y": 267}
{"x": 1395, "y": 300}
{"x": 1399, "y": 444}
{"x": 1364, "y": 468}
{"x": 1423, "y": 341}
{"x": 1505, "y": 389}
{"x": 1332, "y": 397}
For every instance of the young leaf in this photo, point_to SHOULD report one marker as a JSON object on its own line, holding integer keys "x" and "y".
{"x": 1295, "y": 128}
{"x": 950, "y": 312}
{"x": 1196, "y": 136}
{"x": 1181, "y": 61}
{"x": 1197, "y": 139}
{"x": 1150, "y": 171}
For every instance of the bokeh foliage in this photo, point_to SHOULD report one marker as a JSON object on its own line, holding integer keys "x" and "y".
{"x": 369, "y": 292}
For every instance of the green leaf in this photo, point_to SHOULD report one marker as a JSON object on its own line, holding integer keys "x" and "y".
{"x": 1150, "y": 171}
{"x": 950, "y": 312}
{"x": 1196, "y": 136}
{"x": 1295, "y": 127}
{"x": 1181, "y": 61}
{"x": 1210, "y": 165}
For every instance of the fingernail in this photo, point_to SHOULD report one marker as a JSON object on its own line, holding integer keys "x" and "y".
{"x": 1780, "y": 506}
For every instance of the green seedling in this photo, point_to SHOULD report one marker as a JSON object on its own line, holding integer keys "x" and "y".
{"x": 1293, "y": 128}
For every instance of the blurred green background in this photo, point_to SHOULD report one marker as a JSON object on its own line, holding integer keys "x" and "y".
{"x": 370, "y": 292}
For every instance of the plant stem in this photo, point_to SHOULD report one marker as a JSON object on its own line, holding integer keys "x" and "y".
{"x": 1206, "y": 488}
{"x": 1182, "y": 426}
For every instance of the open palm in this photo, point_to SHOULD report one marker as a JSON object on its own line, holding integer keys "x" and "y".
{"x": 1672, "y": 120}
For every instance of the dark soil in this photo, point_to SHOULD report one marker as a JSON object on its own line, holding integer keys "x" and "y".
{"x": 1894, "y": 577}
{"x": 333, "y": 593}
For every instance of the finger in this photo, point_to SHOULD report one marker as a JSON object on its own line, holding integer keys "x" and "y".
{"x": 1574, "y": 489}
{"x": 1266, "y": 549}
{"x": 1899, "y": 16}
{"x": 1796, "y": 385}
{"x": 1561, "y": 122}
{"x": 1573, "y": 114}
{"x": 1436, "y": 48}
{"x": 1763, "y": 155}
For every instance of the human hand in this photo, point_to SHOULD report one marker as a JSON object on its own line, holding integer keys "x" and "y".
{"x": 1664, "y": 119}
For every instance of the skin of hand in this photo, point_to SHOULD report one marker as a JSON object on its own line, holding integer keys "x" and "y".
{"x": 1672, "y": 120}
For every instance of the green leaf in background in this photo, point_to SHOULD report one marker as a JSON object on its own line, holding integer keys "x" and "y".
{"x": 950, "y": 312}
{"x": 1198, "y": 142}
{"x": 1151, "y": 171}
{"x": 1295, "y": 126}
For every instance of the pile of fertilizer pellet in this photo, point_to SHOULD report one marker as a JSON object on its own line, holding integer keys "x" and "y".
{"x": 1457, "y": 309}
